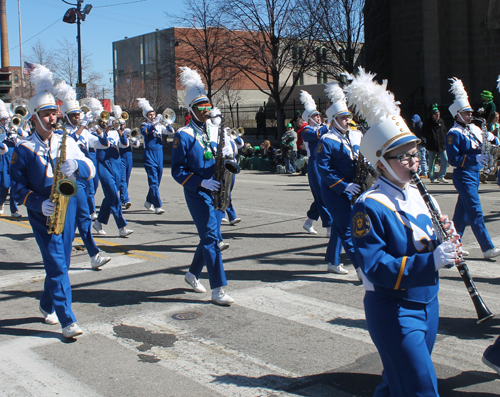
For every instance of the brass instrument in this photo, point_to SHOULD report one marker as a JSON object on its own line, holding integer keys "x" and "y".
{"x": 365, "y": 176}
{"x": 134, "y": 133}
{"x": 168, "y": 116}
{"x": 124, "y": 116}
{"x": 236, "y": 132}
{"x": 84, "y": 105}
{"x": 20, "y": 107}
{"x": 15, "y": 122}
{"x": 62, "y": 190}
{"x": 104, "y": 115}
{"x": 487, "y": 148}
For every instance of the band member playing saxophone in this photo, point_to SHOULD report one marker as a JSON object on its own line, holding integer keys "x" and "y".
{"x": 193, "y": 167}
{"x": 398, "y": 249}
{"x": 33, "y": 163}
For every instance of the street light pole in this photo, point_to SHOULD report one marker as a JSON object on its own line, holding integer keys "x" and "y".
{"x": 78, "y": 39}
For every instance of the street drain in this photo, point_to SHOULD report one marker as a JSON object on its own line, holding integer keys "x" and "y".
{"x": 186, "y": 316}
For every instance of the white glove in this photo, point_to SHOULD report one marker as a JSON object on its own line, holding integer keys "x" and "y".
{"x": 448, "y": 226}
{"x": 127, "y": 132}
{"x": 353, "y": 188}
{"x": 227, "y": 151}
{"x": 491, "y": 137}
{"x": 482, "y": 159}
{"x": 69, "y": 167}
{"x": 445, "y": 255}
{"x": 47, "y": 207}
{"x": 158, "y": 118}
{"x": 85, "y": 121}
{"x": 210, "y": 184}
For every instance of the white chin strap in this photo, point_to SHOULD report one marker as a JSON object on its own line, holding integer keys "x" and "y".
{"x": 194, "y": 114}
{"x": 41, "y": 124}
{"x": 463, "y": 121}
{"x": 338, "y": 126}
{"x": 389, "y": 168}
{"x": 69, "y": 121}
{"x": 311, "y": 120}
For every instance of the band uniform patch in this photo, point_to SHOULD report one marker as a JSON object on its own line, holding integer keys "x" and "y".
{"x": 176, "y": 142}
{"x": 320, "y": 148}
{"x": 13, "y": 160}
{"x": 450, "y": 140}
{"x": 360, "y": 225}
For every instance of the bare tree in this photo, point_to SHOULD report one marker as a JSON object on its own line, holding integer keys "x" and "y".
{"x": 229, "y": 96}
{"x": 40, "y": 54}
{"x": 277, "y": 46}
{"x": 129, "y": 89}
{"x": 153, "y": 91}
{"x": 205, "y": 44}
{"x": 341, "y": 37}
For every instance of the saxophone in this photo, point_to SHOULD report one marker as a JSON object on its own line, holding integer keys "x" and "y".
{"x": 225, "y": 169}
{"x": 486, "y": 148}
{"x": 62, "y": 190}
{"x": 365, "y": 176}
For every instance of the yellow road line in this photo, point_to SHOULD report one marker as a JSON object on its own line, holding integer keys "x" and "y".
{"x": 18, "y": 223}
{"x": 105, "y": 242}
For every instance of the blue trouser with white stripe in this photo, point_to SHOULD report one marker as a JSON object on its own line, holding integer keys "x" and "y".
{"x": 315, "y": 186}
{"x": 93, "y": 183}
{"x": 153, "y": 164}
{"x": 126, "y": 169}
{"x": 56, "y": 255}
{"x": 110, "y": 177}
{"x": 404, "y": 333}
{"x": 208, "y": 225}
{"x": 83, "y": 220}
{"x": 5, "y": 180}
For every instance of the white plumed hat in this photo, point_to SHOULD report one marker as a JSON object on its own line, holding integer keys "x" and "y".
{"x": 377, "y": 106}
{"x": 194, "y": 87}
{"x": 41, "y": 78}
{"x": 309, "y": 105}
{"x": 338, "y": 100}
{"x": 117, "y": 111}
{"x": 95, "y": 106}
{"x": 461, "y": 103}
{"x": 4, "y": 113}
{"x": 67, "y": 95}
{"x": 143, "y": 103}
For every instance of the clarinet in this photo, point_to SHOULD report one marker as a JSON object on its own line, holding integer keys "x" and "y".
{"x": 483, "y": 313}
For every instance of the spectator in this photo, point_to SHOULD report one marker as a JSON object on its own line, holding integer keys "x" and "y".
{"x": 260, "y": 118}
{"x": 266, "y": 150}
{"x": 289, "y": 146}
{"x": 417, "y": 130}
{"x": 488, "y": 105}
{"x": 187, "y": 118}
{"x": 492, "y": 123}
{"x": 297, "y": 121}
{"x": 434, "y": 133}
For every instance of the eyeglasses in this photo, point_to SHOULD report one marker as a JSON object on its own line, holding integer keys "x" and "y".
{"x": 405, "y": 158}
{"x": 207, "y": 106}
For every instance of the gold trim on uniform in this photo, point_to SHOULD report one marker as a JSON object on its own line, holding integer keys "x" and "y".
{"x": 361, "y": 225}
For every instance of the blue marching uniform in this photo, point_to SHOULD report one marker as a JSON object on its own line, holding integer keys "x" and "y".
{"x": 336, "y": 157}
{"x": 94, "y": 182}
{"x": 109, "y": 166}
{"x": 236, "y": 144}
{"x": 5, "y": 180}
{"x": 32, "y": 167}
{"x": 394, "y": 242}
{"x": 83, "y": 220}
{"x": 463, "y": 143}
{"x": 127, "y": 161}
{"x": 189, "y": 168}
{"x": 153, "y": 158}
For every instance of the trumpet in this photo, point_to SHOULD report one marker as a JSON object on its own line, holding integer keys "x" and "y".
{"x": 16, "y": 121}
{"x": 235, "y": 132}
{"x": 20, "y": 107}
{"x": 84, "y": 105}
{"x": 168, "y": 117}
{"x": 134, "y": 133}
{"x": 124, "y": 116}
{"x": 104, "y": 115}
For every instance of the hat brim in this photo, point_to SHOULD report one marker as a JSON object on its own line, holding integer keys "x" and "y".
{"x": 346, "y": 113}
{"x": 402, "y": 141}
{"x": 200, "y": 100}
{"x": 47, "y": 107}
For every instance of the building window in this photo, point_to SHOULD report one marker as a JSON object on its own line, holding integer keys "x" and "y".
{"x": 16, "y": 78}
{"x": 115, "y": 60}
{"x": 142, "y": 55}
{"x": 325, "y": 78}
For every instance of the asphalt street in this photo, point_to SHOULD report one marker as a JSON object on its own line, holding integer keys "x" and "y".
{"x": 294, "y": 330}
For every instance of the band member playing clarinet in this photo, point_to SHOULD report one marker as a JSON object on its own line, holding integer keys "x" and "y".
{"x": 397, "y": 248}
{"x": 33, "y": 164}
{"x": 464, "y": 143}
{"x": 193, "y": 167}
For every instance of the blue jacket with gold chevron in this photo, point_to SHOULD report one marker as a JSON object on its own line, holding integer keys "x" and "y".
{"x": 394, "y": 240}
{"x": 32, "y": 167}
{"x": 192, "y": 155}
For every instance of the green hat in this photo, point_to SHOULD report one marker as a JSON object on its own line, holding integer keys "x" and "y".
{"x": 435, "y": 108}
{"x": 289, "y": 125}
{"x": 486, "y": 95}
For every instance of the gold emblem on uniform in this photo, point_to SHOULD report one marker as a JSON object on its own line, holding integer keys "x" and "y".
{"x": 320, "y": 148}
{"x": 360, "y": 225}
{"x": 176, "y": 142}
{"x": 13, "y": 160}
{"x": 450, "y": 140}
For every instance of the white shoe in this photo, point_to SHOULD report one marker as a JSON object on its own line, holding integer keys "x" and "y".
{"x": 442, "y": 180}
{"x": 159, "y": 210}
{"x": 219, "y": 297}
{"x": 191, "y": 279}
{"x": 359, "y": 272}
{"x": 93, "y": 216}
{"x": 98, "y": 228}
{"x": 1, "y": 209}
{"x": 337, "y": 269}
{"x": 328, "y": 232}
{"x": 72, "y": 331}
{"x": 224, "y": 220}
{"x": 124, "y": 232}
{"x": 223, "y": 246}
{"x": 309, "y": 228}
{"x": 49, "y": 318}
{"x": 491, "y": 253}
{"x": 149, "y": 206}
{"x": 15, "y": 215}
{"x": 235, "y": 221}
{"x": 127, "y": 205}
{"x": 98, "y": 260}
{"x": 465, "y": 253}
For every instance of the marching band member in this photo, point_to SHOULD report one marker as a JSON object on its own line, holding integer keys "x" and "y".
{"x": 193, "y": 167}
{"x": 33, "y": 164}
{"x": 336, "y": 156}
{"x": 235, "y": 143}
{"x": 152, "y": 132}
{"x": 311, "y": 134}
{"x": 109, "y": 166}
{"x": 11, "y": 138}
{"x": 397, "y": 248}
{"x": 463, "y": 146}
{"x": 126, "y": 157}
{"x": 76, "y": 128}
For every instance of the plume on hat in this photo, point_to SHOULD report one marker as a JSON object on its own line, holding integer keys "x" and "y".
{"x": 215, "y": 121}
{"x": 95, "y": 106}
{"x": 371, "y": 100}
{"x": 3, "y": 110}
{"x": 64, "y": 92}
{"x": 117, "y": 110}
{"x": 307, "y": 100}
{"x": 41, "y": 78}
{"x": 143, "y": 103}
{"x": 335, "y": 93}
{"x": 190, "y": 78}
{"x": 458, "y": 89}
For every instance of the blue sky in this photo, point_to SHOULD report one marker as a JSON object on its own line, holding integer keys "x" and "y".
{"x": 105, "y": 23}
